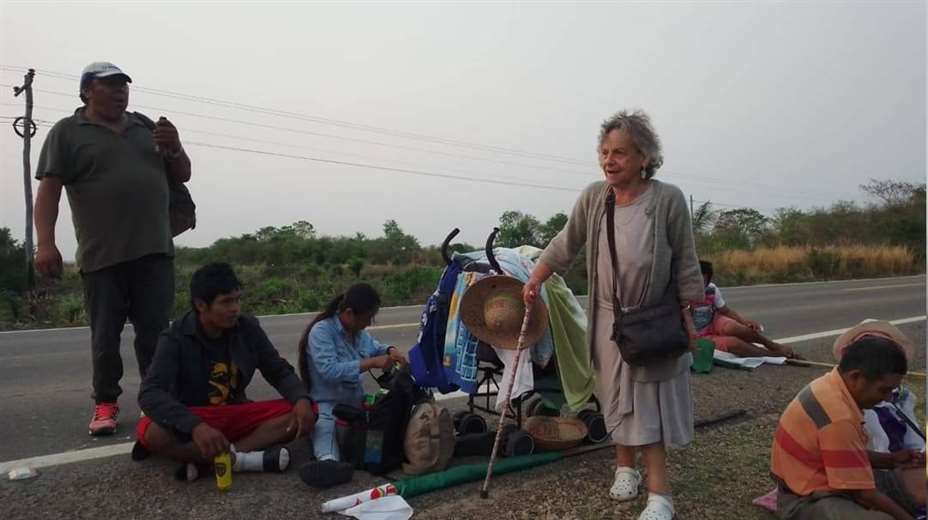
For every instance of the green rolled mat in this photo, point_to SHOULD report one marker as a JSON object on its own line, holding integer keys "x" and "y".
{"x": 455, "y": 475}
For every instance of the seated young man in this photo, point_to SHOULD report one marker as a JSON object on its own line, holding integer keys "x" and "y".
{"x": 726, "y": 328}
{"x": 194, "y": 396}
{"x": 819, "y": 456}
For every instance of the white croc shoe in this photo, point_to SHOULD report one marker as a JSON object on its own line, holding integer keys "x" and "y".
{"x": 658, "y": 508}
{"x": 626, "y": 483}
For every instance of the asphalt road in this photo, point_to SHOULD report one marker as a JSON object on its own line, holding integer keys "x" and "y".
{"x": 45, "y": 396}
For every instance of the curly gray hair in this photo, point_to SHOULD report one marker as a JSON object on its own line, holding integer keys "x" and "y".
{"x": 638, "y": 126}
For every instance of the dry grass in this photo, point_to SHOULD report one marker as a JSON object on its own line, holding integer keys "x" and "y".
{"x": 805, "y": 263}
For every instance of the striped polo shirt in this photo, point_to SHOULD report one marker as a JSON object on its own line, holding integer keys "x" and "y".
{"x": 820, "y": 444}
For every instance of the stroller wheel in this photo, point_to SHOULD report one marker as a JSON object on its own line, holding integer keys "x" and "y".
{"x": 466, "y": 422}
{"x": 518, "y": 442}
{"x": 595, "y": 424}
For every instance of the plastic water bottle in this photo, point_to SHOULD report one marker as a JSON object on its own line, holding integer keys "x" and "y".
{"x": 223, "y": 467}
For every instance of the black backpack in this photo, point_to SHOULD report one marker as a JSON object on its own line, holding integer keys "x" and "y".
{"x": 374, "y": 439}
{"x": 182, "y": 210}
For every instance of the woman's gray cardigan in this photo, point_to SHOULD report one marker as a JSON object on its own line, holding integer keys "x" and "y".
{"x": 674, "y": 254}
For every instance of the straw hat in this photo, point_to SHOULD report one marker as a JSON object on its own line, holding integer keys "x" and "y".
{"x": 879, "y": 328}
{"x": 555, "y": 433}
{"x": 492, "y": 309}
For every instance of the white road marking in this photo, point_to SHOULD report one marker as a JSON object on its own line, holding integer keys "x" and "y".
{"x": 759, "y": 286}
{"x": 792, "y": 284}
{"x": 453, "y": 395}
{"x": 875, "y": 287}
{"x": 266, "y": 316}
{"x": 837, "y": 332}
{"x": 68, "y": 457}
{"x": 394, "y": 326}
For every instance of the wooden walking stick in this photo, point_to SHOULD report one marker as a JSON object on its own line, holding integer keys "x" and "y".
{"x": 484, "y": 493}
{"x": 807, "y": 363}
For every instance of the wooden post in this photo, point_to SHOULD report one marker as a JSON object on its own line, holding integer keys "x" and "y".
{"x": 28, "y": 129}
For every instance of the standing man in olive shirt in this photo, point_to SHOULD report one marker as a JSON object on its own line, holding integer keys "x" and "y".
{"x": 115, "y": 168}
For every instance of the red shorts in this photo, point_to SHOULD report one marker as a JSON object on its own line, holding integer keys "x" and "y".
{"x": 720, "y": 332}
{"x": 235, "y": 421}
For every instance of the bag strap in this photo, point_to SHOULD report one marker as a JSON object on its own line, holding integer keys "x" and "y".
{"x": 434, "y": 433}
{"x": 610, "y": 237}
{"x": 149, "y": 124}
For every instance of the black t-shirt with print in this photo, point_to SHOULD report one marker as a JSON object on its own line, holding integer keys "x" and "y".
{"x": 223, "y": 374}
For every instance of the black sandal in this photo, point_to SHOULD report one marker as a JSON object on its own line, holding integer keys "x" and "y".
{"x": 326, "y": 473}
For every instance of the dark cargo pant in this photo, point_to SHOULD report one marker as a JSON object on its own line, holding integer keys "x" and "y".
{"x": 841, "y": 506}
{"x": 141, "y": 290}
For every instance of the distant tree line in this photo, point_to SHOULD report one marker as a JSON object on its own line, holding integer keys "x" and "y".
{"x": 293, "y": 268}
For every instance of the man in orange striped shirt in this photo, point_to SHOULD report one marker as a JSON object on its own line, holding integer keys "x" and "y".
{"x": 819, "y": 457}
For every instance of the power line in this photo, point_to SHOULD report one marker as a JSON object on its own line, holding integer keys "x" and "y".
{"x": 427, "y": 174}
{"x": 673, "y": 175}
{"x": 369, "y": 166}
{"x": 333, "y": 136}
{"x": 726, "y": 185}
{"x": 271, "y": 111}
{"x": 338, "y": 122}
{"x": 689, "y": 178}
{"x": 384, "y": 168}
{"x": 275, "y": 143}
{"x": 48, "y": 124}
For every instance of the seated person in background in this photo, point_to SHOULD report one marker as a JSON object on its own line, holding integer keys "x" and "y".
{"x": 819, "y": 456}
{"x": 334, "y": 352}
{"x": 890, "y": 425}
{"x": 726, "y": 328}
{"x": 194, "y": 394}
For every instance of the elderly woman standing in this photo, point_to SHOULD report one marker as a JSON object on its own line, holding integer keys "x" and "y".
{"x": 647, "y": 407}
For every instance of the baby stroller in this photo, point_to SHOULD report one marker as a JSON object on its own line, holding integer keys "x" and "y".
{"x": 481, "y": 377}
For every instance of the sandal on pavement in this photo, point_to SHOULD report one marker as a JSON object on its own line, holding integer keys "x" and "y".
{"x": 625, "y": 486}
{"x": 324, "y": 474}
{"x": 658, "y": 508}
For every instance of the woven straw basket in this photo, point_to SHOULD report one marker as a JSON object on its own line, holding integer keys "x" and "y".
{"x": 555, "y": 433}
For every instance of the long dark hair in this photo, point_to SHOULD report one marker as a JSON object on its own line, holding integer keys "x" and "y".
{"x": 360, "y": 297}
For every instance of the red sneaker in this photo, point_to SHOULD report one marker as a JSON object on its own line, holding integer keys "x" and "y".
{"x": 104, "y": 419}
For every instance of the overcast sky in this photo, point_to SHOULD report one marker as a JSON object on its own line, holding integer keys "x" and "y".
{"x": 759, "y": 104}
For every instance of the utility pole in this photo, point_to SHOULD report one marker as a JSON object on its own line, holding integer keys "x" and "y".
{"x": 28, "y": 130}
{"x": 692, "y": 209}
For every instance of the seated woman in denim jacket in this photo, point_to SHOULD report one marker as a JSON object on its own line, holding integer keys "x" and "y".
{"x": 334, "y": 352}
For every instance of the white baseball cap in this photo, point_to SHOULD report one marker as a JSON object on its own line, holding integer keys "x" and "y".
{"x": 101, "y": 69}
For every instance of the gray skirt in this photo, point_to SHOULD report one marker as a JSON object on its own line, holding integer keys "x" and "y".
{"x": 639, "y": 413}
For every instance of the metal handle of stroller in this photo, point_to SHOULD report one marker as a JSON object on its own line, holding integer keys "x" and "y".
{"x": 446, "y": 243}
{"x": 489, "y": 250}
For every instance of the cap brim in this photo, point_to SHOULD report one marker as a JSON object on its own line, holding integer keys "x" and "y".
{"x": 111, "y": 73}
